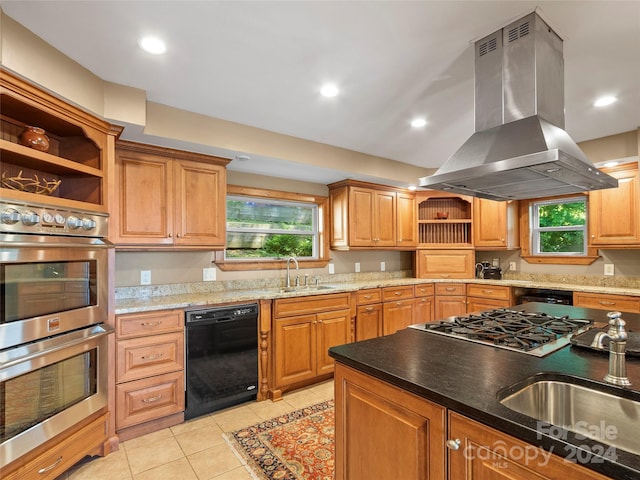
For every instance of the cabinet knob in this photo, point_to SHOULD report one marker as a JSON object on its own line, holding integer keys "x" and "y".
{"x": 502, "y": 239}
{"x": 453, "y": 444}
{"x": 178, "y": 235}
{"x": 170, "y": 235}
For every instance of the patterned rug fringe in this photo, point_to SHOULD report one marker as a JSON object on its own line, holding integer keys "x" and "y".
{"x": 240, "y": 457}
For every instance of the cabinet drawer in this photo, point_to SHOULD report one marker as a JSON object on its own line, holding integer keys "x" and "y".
{"x": 144, "y": 400}
{"x": 424, "y": 290}
{"x": 139, "y": 324}
{"x": 397, "y": 293}
{"x": 65, "y": 453}
{"x": 286, "y": 307}
{"x": 620, "y": 303}
{"x": 450, "y": 289}
{"x": 489, "y": 291}
{"x": 369, "y": 295}
{"x": 146, "y": 356}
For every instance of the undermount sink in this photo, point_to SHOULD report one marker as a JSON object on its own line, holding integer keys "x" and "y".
{"x": 607, "y": 415}
{"x": 308, "y": 288}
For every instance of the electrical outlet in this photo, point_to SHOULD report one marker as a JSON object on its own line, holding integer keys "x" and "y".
{"x": 512, "y": 266}
{"x": 496, "y": 262}
{"x": 608, "y": 269}
{"x": 332, "y": 269}
{"x": 208, "y": 274}
{"x": 357, "y": 267}
{"x": 382, "y": 266}
{"x": 145, "y": 277}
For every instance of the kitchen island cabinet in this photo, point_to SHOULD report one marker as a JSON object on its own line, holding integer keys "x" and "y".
{"x": 467, "y": 379}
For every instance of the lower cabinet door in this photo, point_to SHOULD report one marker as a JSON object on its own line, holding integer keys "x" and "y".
{"x": 368, "y": 321}
{"x": 144, "y": 400}
{"x": 397, "y": 315}
{"x": 332, "y": 329}
{"x": 383, "y": 432}
{"x": 449, "y": 306}
{"x": 480, "y": 304}
{"x": 480, "y": 452}
{"x": 423, "y": 311}
{"x": 294, "y": 342}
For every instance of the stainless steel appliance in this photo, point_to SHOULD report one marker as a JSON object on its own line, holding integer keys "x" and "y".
{"x": 534, "y": 333}
{"x": 53, "y": 305}
{"x": 519, "y": 149}
{"x": 222, "y": 358}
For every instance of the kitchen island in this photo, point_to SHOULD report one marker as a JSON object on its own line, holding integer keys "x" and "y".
{"x": 400, "y": 398}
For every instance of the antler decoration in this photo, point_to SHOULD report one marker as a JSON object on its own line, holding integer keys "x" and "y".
{"x": 31, "y": 185}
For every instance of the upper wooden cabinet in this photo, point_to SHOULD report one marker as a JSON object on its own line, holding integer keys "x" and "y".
{"x": 614, "y": 213}
{"x": 444, "y": 220}
{"x": 366, "y": 215}
{"x": 167, "y": 197}
{"x": 78, "y": 155}
{"x": 495, "y": 225}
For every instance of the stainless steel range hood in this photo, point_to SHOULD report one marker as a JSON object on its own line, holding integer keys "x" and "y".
{"x": 520, "y": 149}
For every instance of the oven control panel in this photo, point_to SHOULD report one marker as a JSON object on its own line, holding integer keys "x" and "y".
{"x": 51, "y": 220}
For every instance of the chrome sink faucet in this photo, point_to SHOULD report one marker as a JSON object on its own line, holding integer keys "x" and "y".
{"x": 617, "y": 336}
{"x": 288, "y": 269}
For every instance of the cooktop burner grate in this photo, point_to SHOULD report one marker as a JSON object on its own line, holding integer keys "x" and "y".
{"x": 530, "y": 332}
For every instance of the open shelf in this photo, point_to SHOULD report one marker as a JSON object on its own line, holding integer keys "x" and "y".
{"x": 453, "y": 232}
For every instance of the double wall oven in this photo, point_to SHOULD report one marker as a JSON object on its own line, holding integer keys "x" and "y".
{"x": 53, "y": 336}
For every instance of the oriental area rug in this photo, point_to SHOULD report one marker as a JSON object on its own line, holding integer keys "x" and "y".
{"x": 298, "y": 445}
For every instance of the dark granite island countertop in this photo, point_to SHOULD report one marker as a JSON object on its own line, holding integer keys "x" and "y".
{"x": 466, "y": 377}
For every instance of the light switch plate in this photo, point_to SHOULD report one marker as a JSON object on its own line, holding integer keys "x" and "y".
{"x": 357, "y": 267}
{"x": 609, "y": 269}
{"x": 208, "y": 274}
{"x": 382, "y": 266}
{"x": 145, "y": 277}
{"x": 332, "y": 269}
{"x": 512, "y": 266}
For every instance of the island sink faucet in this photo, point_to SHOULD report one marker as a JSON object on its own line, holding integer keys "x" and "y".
{"x": 288, "y": 270}
{"x": 617, "y": 336}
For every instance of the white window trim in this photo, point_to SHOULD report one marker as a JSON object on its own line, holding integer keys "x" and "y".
{"x": 536, "y": 230}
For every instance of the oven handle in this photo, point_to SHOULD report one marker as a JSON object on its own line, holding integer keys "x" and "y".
{"x": 31, "y": 352}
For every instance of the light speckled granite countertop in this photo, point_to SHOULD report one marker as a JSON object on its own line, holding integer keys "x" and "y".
{"x": 196, "y": 295}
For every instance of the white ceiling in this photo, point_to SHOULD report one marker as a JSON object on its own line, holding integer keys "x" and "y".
{"x": 262, "y": 63}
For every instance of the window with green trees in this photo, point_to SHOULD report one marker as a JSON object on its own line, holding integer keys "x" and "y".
{"x": 559, "y": 227}
{"x": 263, "y": 228}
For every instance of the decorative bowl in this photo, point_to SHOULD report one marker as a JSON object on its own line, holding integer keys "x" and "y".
{"x": 442, "y": 215}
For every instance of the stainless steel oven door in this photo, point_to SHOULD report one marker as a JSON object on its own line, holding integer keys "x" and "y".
{"x": 49, "y": 386}
{"x": 50, "y": 285}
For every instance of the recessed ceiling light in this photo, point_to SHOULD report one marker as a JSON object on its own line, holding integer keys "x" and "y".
{"x": 418, "y": 122}
{"x": 329, "y": 90}
{"x": 610, "y": 164}
{"x": 152, "y": 45}
{"x": 604, "y": 101}
{"x": 412, "y": 187}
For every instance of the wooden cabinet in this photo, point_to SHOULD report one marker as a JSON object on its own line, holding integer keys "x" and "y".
{"x": 304, "y": 330}
{"x": 79, "y": 152}
{"x": 481, "y": 452}
{"x": 397, "y": 308}
{"x": 450, "y": 300}
{"x": 424, "y": 304}
{"x": 149, "y": 371}
{"x": 614, "y": 213}
{"x": 444, "y": 220}
{"x": 368, "y": 313}
{"x": 62, "y": 452}
{"x": 495, "y": 225}
{"x": 487, "y": 297}
{"x": 619, "y": 303}
{"x": 451, "y": 263}
{"x": 384, "y": 432}
{"x": 167, "y": 197}
{"x": 366, "y": 215}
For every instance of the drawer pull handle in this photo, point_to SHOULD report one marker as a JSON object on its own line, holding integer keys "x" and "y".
{"x": 151, "y": 324}
{"x": 152, "y": 357}
{"x": 450, "y": 289}
{"x": 453, "y": 444}
{"x": 50, "y": 467}
{"x": 152, "y": 399}
{"x": 603, "y": 302}
{"x": 487, "y": 291}
{"x": 367, "y": 297}
{"x": 445, "y": 275}
{"x": 368, "y": 309}
{"x": 397, "y": 293}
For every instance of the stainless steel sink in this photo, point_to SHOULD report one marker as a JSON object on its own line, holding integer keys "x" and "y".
{"x": 604, "y": 414}
{"x": 303, "y": 289}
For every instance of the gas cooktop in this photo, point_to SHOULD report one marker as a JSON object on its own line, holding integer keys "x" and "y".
{"x": 533, "y": 333}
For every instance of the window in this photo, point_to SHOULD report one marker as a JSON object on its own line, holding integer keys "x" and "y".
{"x": 272, "y": 229}
{"x": 559, "y": 227}
{"x": 265, "y": 227}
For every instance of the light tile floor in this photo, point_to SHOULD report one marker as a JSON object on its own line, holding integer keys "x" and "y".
{"x": 194, "y": 450}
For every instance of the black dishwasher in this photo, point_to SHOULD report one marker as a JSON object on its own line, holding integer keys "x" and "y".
{"x": 221, "y": 357}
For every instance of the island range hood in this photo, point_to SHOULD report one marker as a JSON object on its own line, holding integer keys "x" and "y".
{"x": 520, "y": 149}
